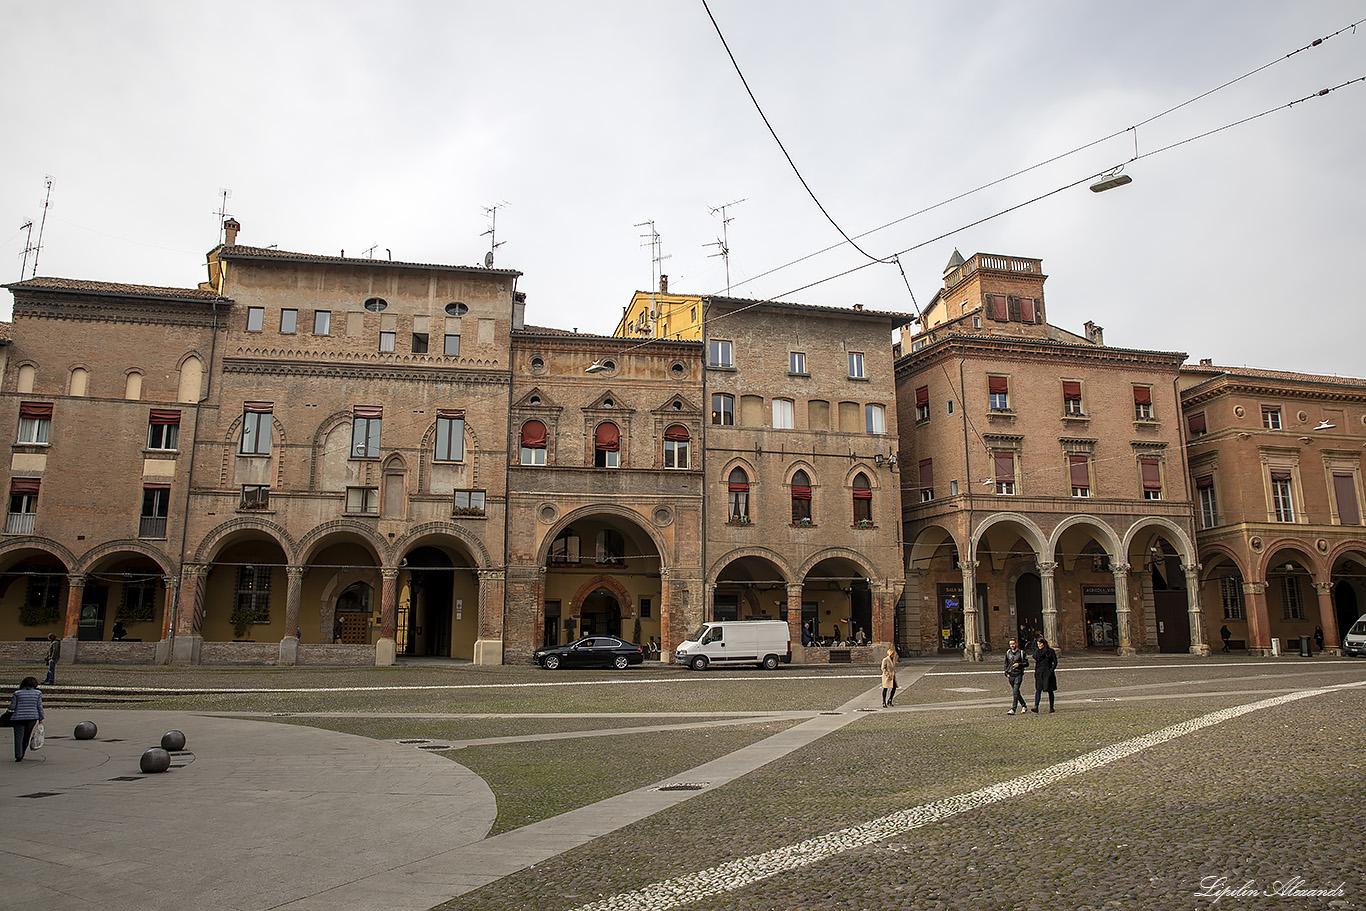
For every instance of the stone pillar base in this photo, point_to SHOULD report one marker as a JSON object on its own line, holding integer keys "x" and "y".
{"x": 1125, "y": 652}
{"x": 666, "y": 656}
{"x": 488, "y": 651}
{"x": 185, "y": 649}
{"x": 1201, "y": 650}
{"x": 799, "y": 654}
{"x": 163, "y": 655}
{"x": 386, "y": 652}
{"x": 289, "y": 652}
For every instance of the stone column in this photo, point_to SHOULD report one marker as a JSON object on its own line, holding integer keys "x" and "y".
{"x": 708, "y": 601}
{"x": 168, "y": 606}
{"x": 1123, "y": 620}
{"x": 388, "y": 602}
{"x": 1050, "y": 602}
{"x": 71, "y": 619}
{"x": 794, "y": 620}
{"x": 294, "y": 586}
{"x": 1332, "y": 641}
{"x": 1198, "y": 644}
{"x": 972, "y": 646}
{"x": 188, "y": 621}
{"x": 1258, "y": 623}
{"x": 488, "y": 647}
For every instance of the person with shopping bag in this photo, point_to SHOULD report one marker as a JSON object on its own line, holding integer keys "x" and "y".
{"x": 26, "y": 713}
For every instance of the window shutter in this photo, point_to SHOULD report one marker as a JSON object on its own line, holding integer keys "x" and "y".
{"x": 922, "y": 395}
{"x": 607, "y": 438}
{"x": 164, "y": 417}
{"x": 1346, "y": 491}
{"x": 926, "y": 474}
{"x": 1014, "y": 305}
{"x": 36, "y": 410}
{"x": 533, "y": 435}
{"x": 1143, "y": 395}
{"x": 1077, "y": 466}
{"x": 1152, "y": 474}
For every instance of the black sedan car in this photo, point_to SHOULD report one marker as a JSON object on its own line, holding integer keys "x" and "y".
{"x": 591, "y": 651}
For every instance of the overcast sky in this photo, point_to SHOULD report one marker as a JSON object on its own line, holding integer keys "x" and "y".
{"x": 350, "y": 126}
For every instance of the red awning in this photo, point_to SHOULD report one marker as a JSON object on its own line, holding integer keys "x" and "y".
{"x": 926, "y": 474}
{"x": 607, "y": 438}
{"x": 456, "y": 414}
{"x": 24, "y": 485}
{"x": 801, "y": 493}
{"x": 1005, "y": 467}
{"x": 258, "y": 407}
{"x": 369, "y": 411}
{"x": 733, "y": 487}
{"x": 35, "y": 410}
{"x": 1205, "y": 483}
{"x": 164, "y": 416}
{"x": 533, "y": 435}
{"x": 998, "y": 385}
{"x": 1152, "y": 474}
{"x": 1077, "y": 466}
{"x": 999, "y": 309}
{"x": 922, "y": 395}
{"x": 863, "y": 493}
{"x": 1196, "y": 423}
{"x": 1026, "y": 309}
{"x": 1143, "y": 395}
{"x": 1071, "y": 391}
{"x": 676, "y": 433}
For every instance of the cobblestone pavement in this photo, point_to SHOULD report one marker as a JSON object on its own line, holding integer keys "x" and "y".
{"x": 1263, "y": 802}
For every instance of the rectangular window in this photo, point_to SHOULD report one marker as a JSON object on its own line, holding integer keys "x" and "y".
{"x": 451, "y": 347}
{"x": 533, "y": 456}
{"x": 23, "y": 506}
{"x": 926, "y": 480}
{"x": 256, "y": 420}
{"x": 365, "y": 422}
{"x": 1005, "y": 473}
{"x": 255, "y": 496}
{"x": 1079, "y": 469}
{"x": 1151, "y": 471}
{"x": 796, "y": 363}
{"x": 645, "y": 606}
{"x": 1209, "y": 506}
{"x": 289, "y": 321}
{"x": 163, "y": 429}
{"x": 722, "y": 408}
{"x": 1271, "y": 417}
{"x": 1071, "y": 398}
{"x": 419, "y": 343}
{"x": 468, "y": 503}
{"x": 1282, "y": 497}
{"x": 719, "y": 353}
{"x": 1231, "y": 594}
{"x": 322, "y": 322}
{"x": 386, "y": 341}
{"x": 1143, "y": 403}
{"x": 256, "y": 319}
{"x": 856, "y": 365}
{"x": 784, "y": 416}
{"x": 1345, "y": 492}
{"x": 450, "y": 436}
{"x": 35, "y": 422}
{"x": 875, "y": 418}
{"x": 363, "y": 500}
{"x": 1290, "y": 595}
{"x": 737, "y": 504}
{"x": 922, "y": 404}
{"x": 252, "y": 604}
{"x": 156, "y": 500}
{"x": 998, "y": 391}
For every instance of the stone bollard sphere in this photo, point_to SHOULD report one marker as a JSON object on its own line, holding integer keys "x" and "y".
{"x": 172, "y": 741}
{"x": 85, "y": 730}
{"x": 155, "y": 760}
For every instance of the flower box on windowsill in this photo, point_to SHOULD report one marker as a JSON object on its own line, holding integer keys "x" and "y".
{"x": 864, "y": 523}
{"x": 741, "y": 521}
{"x": 468, "y": 512}
{"x": 803, "y": 523}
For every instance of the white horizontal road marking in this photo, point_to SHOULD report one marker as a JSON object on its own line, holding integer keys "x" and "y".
{"x": 746, "y": 871}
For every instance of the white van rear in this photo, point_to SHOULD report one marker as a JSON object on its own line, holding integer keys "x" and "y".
{"x": 765, "y": 643}
{"x": 1354, "y": 643}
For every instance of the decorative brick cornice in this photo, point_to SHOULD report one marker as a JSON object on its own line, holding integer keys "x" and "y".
{"x": 1002, "y": 347}
{"x": 358, "y": 369}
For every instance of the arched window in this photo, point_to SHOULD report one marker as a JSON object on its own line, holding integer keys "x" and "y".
{"x": 676, "y": 442}
{"x": 801, "y": 498}
{"x": 737, "y": 490}
{"x": 606, "y": 446}
{"x": 26, "y": 376}
{"x": 611, "y": 546}
{"x": 863, "y": 500}
{"x": 132, "y": 385}
{"x": 80, "y": 381}
{"x": 533, "y": 443}
{"x": 565, "y": 547}
{"x": 191, "y": 378}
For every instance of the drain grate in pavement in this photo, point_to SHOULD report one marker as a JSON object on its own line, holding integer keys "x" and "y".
{"x": 127, "y": 778}
{"x": 42, "y": 794}
{"x": 414, "y": 741}
{"x": 434, "y": 746}
{"x": 832, "y": 713}
{"x": 683, "y": 786}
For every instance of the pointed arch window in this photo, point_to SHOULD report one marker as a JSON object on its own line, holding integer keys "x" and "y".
{"x": 863, "y": 500}
{"x": 801, "y": 498}
{"x": 737, "y": 497}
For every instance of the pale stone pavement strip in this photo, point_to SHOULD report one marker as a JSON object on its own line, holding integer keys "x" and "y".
{"x": 746, "y": 871}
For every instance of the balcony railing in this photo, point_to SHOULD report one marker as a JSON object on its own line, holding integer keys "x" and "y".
{"x": 152, "y": 527}
{"x": 19, "y": 523}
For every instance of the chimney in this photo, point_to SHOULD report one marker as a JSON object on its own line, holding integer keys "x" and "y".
{"x": 663, "y": 284}
{"x": 1094, "y": 333}
{"x": 1206, "y": 362}
{"x": 230, "y": 229}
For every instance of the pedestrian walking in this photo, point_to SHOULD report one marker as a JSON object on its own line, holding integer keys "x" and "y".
{"x": 54, "y": 652}
{"x": 1045, "y": 680}
{"x": 119, "y": 631}
{"x": 1318, "y": 637}
{"x": 889, "y": 677}
{"x": 1225, "y": 634}
{"x": 26, "y": 710}
{"x": 1016, "y": 662}
{"x": 336, "y": 629}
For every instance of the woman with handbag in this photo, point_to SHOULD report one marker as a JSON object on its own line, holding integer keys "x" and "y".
{"x": 26, "y": 710}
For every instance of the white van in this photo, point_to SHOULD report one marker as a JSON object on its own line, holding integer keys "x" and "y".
{"x": 1354, "y": 643}
{"x": 761, "y": 642}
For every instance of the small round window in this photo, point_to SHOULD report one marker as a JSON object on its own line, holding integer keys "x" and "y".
{"x": 609, "y": 365}
{"x": 376, "y": 304}
{"x": 537, "y": 363}
{"x": 455, "y": 308}
{"x": 676, "y": 369}
{"x": 607, "y": 403}
{"x": 534, "y": 400}
{"x": 677, "y": 406}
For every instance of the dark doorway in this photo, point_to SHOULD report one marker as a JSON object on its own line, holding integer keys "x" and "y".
{"x": 1028, "y": 609}
{"x": 353, "y": 614}
{"x": 600, "y": 615}
{"x": 93, "y": 601}
{"x": 861, "y": 609}
{"x": 1346, "y": 608}
{"x": 431, "y": 587}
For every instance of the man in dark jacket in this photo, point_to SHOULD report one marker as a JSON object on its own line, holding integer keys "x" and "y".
{"x": 1045, "y": 680}
{"x": 1016, "y": 662}
{"x": 54, "y": 651}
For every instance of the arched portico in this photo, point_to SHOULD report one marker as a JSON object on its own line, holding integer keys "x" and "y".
{"x": 1162, "y": 555}
{"x": 37, "y": 590}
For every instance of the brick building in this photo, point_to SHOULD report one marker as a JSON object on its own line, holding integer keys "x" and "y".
{"x": 1044, "y": 477}
{"x": 1276, "y": 460}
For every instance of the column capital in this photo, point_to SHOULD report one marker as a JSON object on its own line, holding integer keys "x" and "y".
{"x": 794, "y": 588}
{"x": 1254, "y": 588}
{"x": 388, "y": 573}
{"x": 168, "y": 581}
{"x": 1119, "y": 569}
{"x": 1323, "y": 588}
{"x": 1046, "y": 568}
{"x": 492, "y": 575}
{"x": 75, "y": 580}
{"x": 1191, "y": 568}
{"x": 967, "y": 565}
{"x": 294, "y": 571}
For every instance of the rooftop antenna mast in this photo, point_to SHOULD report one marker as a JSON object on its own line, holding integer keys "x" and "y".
{"x": 723, "y": 242}
{"x": 222, "y": 212}
{"x": 657, "y": 257}
{"x": 42, "y": 223}
{"x": 492, "y": 232}
{"x": 28, "y": 246}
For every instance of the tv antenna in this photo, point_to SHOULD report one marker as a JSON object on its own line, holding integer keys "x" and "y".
{"x": 370, "y": 251}
{"x": 492, "y": 232}
{"x": 28, "y": 246}
{"x": 723, "y": 242}
{"x": 221, "y": 213}
{"x": 42, "y": 223}
{"x": 657, "y": 257}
